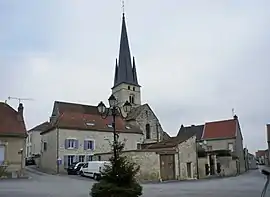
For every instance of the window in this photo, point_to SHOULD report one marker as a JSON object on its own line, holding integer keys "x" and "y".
{"x": 230, "y": 147}
{"x": 209, "y": 148}
{"x": 70, "y": 160}
{"x": 128, "y": 127}
{"x": 89, "y": 145}
{"x": 110, "y": 125}
{"x": 147, "y": 131}
{"x": 71, "y": 143}
{"x": 138, "y": 146}
{"x": 133, "y": 88}
{"x": 131, "y": 98}
{"x": 129, "y": 87}
{"x": 44, "y": 146}
{"x": 81, "y": 158}
{"x": 99, "y": 158}
{"x": 89, "y": 158}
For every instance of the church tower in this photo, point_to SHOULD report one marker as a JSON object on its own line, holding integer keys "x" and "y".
{"x": 126, "y": 86}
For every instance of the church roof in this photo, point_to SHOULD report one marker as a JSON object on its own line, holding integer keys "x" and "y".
{"x": 125, "y": 70}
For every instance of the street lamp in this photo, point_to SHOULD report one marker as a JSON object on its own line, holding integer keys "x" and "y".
{"x": 113, "y": 110}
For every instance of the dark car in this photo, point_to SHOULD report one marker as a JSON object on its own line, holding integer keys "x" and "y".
{"x": 75, "y": 168}
{"x": 30, "y": 161}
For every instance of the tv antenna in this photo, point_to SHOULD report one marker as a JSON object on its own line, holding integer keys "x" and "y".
{"x": 233, "y": 113}
{"x": 20, "y": 99}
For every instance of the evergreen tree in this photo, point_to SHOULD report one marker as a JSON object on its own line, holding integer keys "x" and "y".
{"x": 118, "y": 179}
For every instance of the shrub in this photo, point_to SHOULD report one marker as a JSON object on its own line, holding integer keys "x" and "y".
{"x": 118, "y": 179}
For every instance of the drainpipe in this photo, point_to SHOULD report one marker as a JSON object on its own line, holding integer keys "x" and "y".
{"x": 179, "y": 167}
{"x": 57, "y": 148}
{"x": 197, "y": 160}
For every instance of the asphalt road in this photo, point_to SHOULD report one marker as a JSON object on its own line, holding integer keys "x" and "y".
{"x": 43, "y": 185}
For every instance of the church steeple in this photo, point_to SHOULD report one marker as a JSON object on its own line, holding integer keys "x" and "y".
{"x": 124, "y": 71}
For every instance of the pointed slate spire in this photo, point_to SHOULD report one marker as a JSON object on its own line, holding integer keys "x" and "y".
{"x": 134, "y": 71}
{"x": 124, "y": 72}
{"x": 116, "y": 72}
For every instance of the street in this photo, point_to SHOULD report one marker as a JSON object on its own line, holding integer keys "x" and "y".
{"x": 40, "y": 184}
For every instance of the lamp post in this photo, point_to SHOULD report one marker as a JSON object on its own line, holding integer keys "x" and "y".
{"x": 113, "y": 110}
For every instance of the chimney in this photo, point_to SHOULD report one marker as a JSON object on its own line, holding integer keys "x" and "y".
{"x": 20, "y": 112}
{"x": 235, "y": 117}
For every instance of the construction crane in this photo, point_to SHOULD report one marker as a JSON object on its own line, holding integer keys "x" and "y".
{"x": 20, "y": 99}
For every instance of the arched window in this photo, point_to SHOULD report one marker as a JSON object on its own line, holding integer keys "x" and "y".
{"x": 147, "y": 131}
{"x": 131, "y": 99}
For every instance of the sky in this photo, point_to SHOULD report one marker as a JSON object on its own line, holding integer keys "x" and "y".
{"x": 196, "y": 60}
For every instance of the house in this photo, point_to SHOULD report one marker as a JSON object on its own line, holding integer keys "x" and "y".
{"x": 252, "y": 163}
{"x": 12, "y": 138}
{"x": 171, "y": 159}
{"x": 224, "y": 138}
{"x": 78, "y": 133}
{"x": 33, "y": 141}
{"x": 262, "y": 157}
{"x": 219, "y": 147}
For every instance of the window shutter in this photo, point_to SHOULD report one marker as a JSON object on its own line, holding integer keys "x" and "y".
{"x": 65, "y": 161}
{"x": 76, "y": 144}
{"x": 66, "y": 143}
{"x": 87, "y": 158}
{"x": 85, "y": 145}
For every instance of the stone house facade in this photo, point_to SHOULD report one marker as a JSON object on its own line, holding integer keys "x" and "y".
{"x": 172, "y": 159}
{"x": 268, "y": 141}
{"x": 225, "y": 135}
{"x": 33, "y": 141}
{"x": 12, "y": 138}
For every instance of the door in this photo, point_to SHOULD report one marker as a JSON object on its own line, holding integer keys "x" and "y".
{"x": 189, "y": 170}
{"x": 167, "y": 167}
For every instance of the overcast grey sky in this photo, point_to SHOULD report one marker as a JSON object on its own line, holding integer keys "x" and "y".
{"x": 196, "y": 60}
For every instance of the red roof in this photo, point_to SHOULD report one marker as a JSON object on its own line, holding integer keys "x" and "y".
{"x": 220, "y": 129}
{"x": 81, "y": 121}
{"x": 11, "y": 123}
{"x": 261, "y": 153}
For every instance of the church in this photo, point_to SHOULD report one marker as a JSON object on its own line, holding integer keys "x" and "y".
{"x": 76, "y": 132}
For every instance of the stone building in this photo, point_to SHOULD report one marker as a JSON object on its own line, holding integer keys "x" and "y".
{"x": 268, "y": 142}
{"x": 78, "y": 133}
{"x": 171, "y": 159}
{"x": 12, "y": 139}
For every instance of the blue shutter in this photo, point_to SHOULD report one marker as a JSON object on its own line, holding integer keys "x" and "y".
{"x": 85, "y": 145}
{"x": 66, "y": 143}
{"x": 65, "y": 161}
{"x": 76, "y": 144}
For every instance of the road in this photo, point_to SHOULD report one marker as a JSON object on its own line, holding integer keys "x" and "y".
{"x": 43, "y": 185}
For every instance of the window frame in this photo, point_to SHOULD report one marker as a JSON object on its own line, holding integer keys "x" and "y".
{"x": 87, "y": 140}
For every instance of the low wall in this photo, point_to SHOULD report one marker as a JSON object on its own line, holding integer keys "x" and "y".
{"x": 147, "y": 160}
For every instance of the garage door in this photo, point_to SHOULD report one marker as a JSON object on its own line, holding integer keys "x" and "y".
{"x": 2, "y": 154}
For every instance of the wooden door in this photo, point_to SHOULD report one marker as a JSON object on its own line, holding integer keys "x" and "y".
{"x": 189, "y": 170}
{"x": 167, "y": 167}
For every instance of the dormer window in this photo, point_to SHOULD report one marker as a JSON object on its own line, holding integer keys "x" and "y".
{"x": 90, "y": 124}
{"x": 110, "y": 125}
{"x": 128, "y": 127}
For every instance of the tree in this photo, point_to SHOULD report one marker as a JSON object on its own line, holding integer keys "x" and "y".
{"x": 118, "y": 179}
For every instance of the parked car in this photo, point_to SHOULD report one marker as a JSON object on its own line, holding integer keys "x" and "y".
{"x": 75, "y": 168}
{"x": 30, "y": 161}
{"x": 93, "y": 169}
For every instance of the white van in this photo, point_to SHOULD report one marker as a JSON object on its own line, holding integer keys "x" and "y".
{"x": 93, "y": 168}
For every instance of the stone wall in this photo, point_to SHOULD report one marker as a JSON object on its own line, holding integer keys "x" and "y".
{"x": 147, "y": 116}
{"x": 187, "y": 154}
{"x": 228, "y": 166}
{"x": 147, "y": 160}
{"x": 201, "y": 166}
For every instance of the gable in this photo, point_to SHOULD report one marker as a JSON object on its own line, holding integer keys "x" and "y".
{"x": 143, "y": 111}
{"x": 11, "y": 123}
